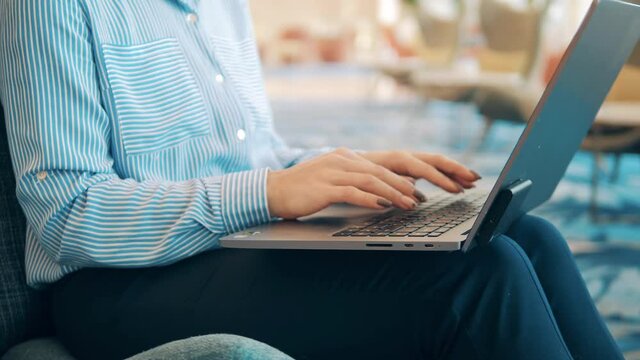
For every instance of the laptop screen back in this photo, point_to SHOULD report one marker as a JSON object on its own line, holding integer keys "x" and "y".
{"x": 565, "y": 113}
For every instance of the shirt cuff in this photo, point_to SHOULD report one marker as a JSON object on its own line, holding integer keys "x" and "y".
{"x": 243, "y": 200}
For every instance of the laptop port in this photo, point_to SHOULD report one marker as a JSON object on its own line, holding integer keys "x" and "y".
{"x": 428, "y": 245}
{"x": 379, "y": 245}
{"x": 408, "y": 245}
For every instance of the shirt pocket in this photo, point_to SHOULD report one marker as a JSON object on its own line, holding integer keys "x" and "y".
{"x": 157, "y": 100}
{"x": 241, "y": 63}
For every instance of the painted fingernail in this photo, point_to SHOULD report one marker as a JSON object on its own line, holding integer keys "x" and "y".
{"x": 460, "y": 188}
{"x": 478, "y": 177}
{"x": 409, "y": 202}
{"x": 419, "y": 195}
{"x": 385, "y": 203}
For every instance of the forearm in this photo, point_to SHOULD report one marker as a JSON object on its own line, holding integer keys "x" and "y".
{"x": 124, "y": 223}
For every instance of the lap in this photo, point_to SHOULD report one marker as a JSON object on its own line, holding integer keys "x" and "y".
{"x": 331, "y": 301}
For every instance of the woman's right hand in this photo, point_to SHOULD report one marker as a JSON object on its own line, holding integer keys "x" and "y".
{"x": 341, "y": 176}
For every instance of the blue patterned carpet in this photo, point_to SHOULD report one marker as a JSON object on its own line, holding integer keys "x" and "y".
{"x": 610, "y": 255}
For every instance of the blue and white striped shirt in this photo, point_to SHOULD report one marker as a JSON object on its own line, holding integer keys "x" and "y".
{"x": 139, "y": 130}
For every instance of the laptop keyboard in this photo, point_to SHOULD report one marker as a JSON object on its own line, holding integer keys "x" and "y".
{"x": 431, "y": 219}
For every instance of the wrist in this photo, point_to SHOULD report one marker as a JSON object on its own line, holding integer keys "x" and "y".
{"x": 273, "y": 193}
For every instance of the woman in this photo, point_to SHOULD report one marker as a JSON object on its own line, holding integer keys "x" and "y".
{"x": 141, "y": 134}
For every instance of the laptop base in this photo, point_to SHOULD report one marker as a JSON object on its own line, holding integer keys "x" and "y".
{"x": 508, "y": 199}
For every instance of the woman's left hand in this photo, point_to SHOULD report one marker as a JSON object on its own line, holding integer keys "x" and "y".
{"x": 438, "y": 169}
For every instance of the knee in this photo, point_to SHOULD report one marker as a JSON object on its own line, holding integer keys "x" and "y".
{"x": 533, "y": 224}
{"x": 538, "y": 237}
{"x": 502, "y": 277}
{"x": 502, "y": 261}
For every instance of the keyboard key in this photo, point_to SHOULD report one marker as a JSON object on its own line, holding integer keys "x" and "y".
{"x": 429, "y": 228}
{"x": 378, "y": 234}
{"x": 440, "y": 214}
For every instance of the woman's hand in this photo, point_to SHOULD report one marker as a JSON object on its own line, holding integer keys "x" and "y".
{"x": 438, "y": 169}
{"x": 374, "y": 180}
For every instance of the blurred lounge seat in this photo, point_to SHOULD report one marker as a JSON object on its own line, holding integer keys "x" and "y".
{"x": 616, "y": 130}
{"x": 440, "y": 28}
{"x": 503, "y": 87}
{"x": 508, "y": 87}
{"x": 439, "y": 41}
{"x": 507, "y": 62}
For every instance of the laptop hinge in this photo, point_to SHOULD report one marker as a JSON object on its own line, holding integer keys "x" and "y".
{"x": 510, "y": 197}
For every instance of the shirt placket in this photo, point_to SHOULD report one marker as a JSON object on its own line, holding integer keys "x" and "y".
{"x": 220, "y": 76}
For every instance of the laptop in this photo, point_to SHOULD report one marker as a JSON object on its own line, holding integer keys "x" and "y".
{"x": 561, "y": 120}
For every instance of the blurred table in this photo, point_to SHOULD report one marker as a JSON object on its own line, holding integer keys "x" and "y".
{"x": 619, "y": 114}
{"x": 452, "y": 84}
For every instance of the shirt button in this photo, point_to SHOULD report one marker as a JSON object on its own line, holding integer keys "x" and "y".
{"x": 219, "y": 78}
{"x": 241, "y": 134}
{"x": 192, "y": 18}
{"x": 41, "y": 175}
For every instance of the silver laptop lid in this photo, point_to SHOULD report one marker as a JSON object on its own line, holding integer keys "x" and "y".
{"x": 564, "y": 114}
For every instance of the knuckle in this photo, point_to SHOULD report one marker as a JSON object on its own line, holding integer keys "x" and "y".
{"x": 349, "y": 192}
{"x": 342, "y": 151}
{"x": 403, "y": 154}
{"x": 334, "y": 157}
{"x": 430, "y": 169}
{"x": 397, "y": 199}
{"x": 407, "y": 187}
{"x": 447, "y": 160}
{"x": 330, "y": 175}
{"x": 370, "y": 180}
{"x": 379, "y": 170}
{"x": 326, "y": 155}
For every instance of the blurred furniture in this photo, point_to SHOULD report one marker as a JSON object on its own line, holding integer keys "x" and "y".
{"x": 440, "y": 29}
{"x": 507, "y": 87}
{"x": 616, "y": 130}
{"x": 220, "y": 346}
{"x": 26, "y": 332}
{"x": 506, "y": 63}
{"x": 294, "y": 45}
{"x": 512, "y": 36}
{"x": 438, "y": 41}
{"x": 502, "y": 88}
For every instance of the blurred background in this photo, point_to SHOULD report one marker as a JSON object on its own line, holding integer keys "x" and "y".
{"x": 461, "y": 77}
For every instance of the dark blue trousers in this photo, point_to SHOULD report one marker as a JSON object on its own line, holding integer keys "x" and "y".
{"x": 520, "y": 297}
